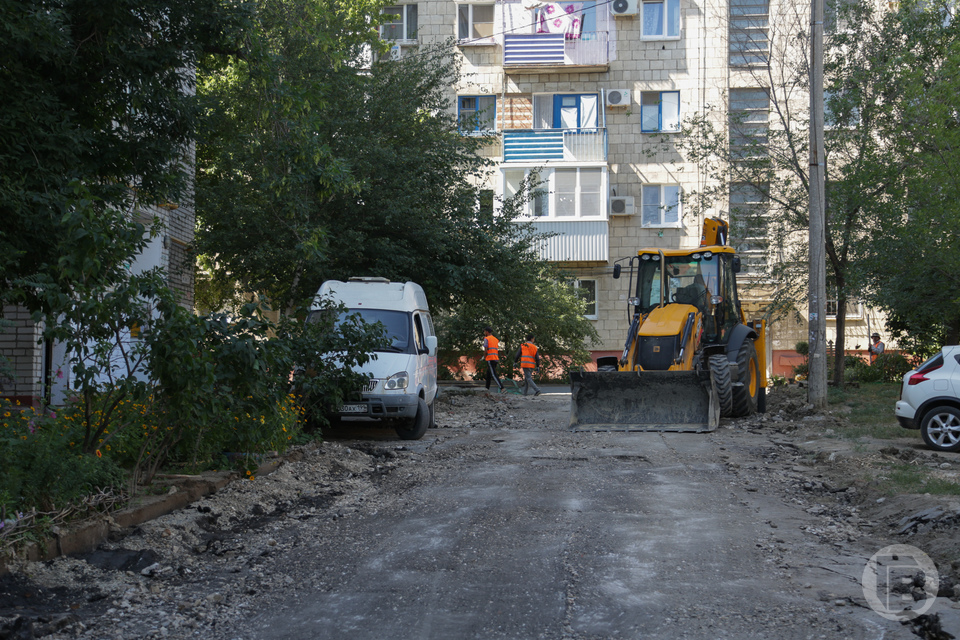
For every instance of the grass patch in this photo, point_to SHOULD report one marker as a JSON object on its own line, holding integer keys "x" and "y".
{"x": 869, "y": 410}
{"x": 909, "y": 478}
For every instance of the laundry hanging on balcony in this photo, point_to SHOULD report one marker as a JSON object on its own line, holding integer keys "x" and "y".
{"x": 561, "y": 17}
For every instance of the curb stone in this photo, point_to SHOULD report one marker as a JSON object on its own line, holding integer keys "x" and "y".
{"x": 85, "y": 536}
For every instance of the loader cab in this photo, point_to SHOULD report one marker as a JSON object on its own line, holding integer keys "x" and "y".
{"x": 703, "y": 278}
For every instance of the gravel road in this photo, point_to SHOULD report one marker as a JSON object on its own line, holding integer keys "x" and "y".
{"x": 500, "y": 523}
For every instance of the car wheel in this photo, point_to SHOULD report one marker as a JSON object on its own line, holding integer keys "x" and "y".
{"x": 720, "y": 370}
{"x": 940, "y": 428}
{"x": 418, "y": 425}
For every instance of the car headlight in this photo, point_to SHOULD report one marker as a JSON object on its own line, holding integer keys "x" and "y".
{"x": 397, "y": 381}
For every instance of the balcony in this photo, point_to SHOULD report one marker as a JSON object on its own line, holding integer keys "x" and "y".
{"x": 574, "y": 240}
{"x": 564, "y": 145}
{"x": 528, "y": 53}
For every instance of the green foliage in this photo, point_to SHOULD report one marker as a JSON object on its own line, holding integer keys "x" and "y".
{"x": 903, "y": 83}
{"x": 368, "y": 175}
{"x": 43, "y": 466}
{"x": 887, "y": 367}
{"x": 96, "y": 95}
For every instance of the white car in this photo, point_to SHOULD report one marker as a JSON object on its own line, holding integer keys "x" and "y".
{"x": 930, "y": 400}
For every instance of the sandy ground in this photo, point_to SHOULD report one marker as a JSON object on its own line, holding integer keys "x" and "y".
{"x": 217, "y": 568}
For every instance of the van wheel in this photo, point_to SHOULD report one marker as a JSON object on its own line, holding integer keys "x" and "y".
{"x": 417, "y": 426}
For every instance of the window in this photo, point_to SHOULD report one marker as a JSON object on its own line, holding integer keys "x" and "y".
{"x": 661, "y": 19}
{"x": 661, "y": 205}
{"x": 564, "y": 194}
{"x": 477, "y": 113}
{"x": 474, "y": 21}
{"x": 749, "y": 112}
{"x": 400, "y": 22}
{"x": 749, "y": 225}
{"x": 565, "y": 111}
{"x": 660, "y": 111}
{"x": 749, "y": 37}
{"x": 587, "y": 290}
{"x": 575, "y": 111}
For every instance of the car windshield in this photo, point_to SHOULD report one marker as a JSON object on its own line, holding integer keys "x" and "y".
{"x": 396, "y": 323}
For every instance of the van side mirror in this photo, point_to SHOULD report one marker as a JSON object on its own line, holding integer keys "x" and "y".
{"x": 616, "y": 271}
{"x": 431, "y": 345}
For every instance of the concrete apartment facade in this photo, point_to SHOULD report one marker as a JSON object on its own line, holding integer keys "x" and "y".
{"x": 590, "y": 96}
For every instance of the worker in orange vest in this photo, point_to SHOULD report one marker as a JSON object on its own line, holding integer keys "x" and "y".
{"x": 491, "y": 354}
{"x": 528, "y": 355}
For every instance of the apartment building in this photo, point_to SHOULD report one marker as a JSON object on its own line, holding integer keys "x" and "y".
{"x": 589, "y": 98}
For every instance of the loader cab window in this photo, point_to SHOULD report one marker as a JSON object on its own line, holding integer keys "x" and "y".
{"x": 688, "y": 281}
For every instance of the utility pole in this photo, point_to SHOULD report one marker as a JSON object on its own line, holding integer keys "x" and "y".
{"x": 816, "y": 319}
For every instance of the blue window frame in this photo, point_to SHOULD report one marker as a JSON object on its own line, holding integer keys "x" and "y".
{"x": 477, "y": 113}
{"x": 575, "y": 111}
{"x": 659, "y": 111}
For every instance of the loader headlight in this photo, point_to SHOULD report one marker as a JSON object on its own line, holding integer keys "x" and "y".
{"x": 707, "y": 255}
{"x": 396, "y": 381}
{"x": 633, "y": 301}
{"x": 646, "y": 256}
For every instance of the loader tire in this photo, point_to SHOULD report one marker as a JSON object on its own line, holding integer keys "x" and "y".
{"x": 720, "y": 371}
{"x": 745, "y": 395}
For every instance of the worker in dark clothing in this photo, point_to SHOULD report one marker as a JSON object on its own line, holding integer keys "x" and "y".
{"x": 528, "y": 355}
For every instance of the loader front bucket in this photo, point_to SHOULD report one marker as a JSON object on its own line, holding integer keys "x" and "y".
{"x": 644, "y": 401}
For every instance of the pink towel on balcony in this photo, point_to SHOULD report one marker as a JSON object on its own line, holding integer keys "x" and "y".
{"x": 561, "y": 18}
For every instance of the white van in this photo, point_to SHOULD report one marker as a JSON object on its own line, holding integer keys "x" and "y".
{"x": 404, "y": 375}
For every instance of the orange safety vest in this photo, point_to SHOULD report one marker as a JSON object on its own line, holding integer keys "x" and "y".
{"x": 528, "y": 356}
{"x": 493, "y": 348}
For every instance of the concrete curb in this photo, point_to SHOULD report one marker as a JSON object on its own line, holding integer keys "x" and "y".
{"x": 85, "y": 536}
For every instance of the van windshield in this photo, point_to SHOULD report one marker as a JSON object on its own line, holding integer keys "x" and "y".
{"x": 397, "y": 324}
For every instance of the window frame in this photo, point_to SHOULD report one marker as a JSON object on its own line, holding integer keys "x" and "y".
{"x": 659, "y": 106}
{"x": 471, "y": 40}
{"x": 592, "y": 302}
{"x": 667, "y": 7}
{"x": 549, "y": 198}
{"x": 662, "y": 207}
{"x": 478, "y": 131}
{"x": 405, "y": 10}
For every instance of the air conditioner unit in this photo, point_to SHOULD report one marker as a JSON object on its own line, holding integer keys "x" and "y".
{"x": 617, "y": 98}
{"x": 621, "y": 205}
{"x": 624, "y": 7}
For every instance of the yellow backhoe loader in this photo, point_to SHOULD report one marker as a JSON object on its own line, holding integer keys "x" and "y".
{"x": 690, "y": 355}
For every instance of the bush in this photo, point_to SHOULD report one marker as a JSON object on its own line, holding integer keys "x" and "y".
{"x": 887, "y": 367}
{"x": 43, "y": 465}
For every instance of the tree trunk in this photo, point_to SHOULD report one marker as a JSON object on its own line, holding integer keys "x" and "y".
{"x": 839, "y": 349}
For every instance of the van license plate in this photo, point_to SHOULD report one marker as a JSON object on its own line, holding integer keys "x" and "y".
{"x": 353, "y": 408}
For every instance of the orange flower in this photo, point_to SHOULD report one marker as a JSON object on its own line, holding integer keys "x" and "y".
{"x": 99, "y": 455}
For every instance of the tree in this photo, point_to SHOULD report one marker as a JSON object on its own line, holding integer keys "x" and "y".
{"x": 322, "y": 164}
{"x": 907, "y": 85}
{"x": 757, "y": 159}
{"x": 97, "y": 119}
